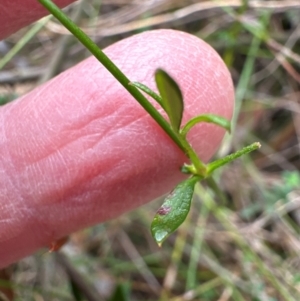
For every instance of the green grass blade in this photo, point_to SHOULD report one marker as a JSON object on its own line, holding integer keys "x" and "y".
{"x": 24, "y": 40}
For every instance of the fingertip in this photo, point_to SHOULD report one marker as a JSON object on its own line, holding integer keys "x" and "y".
{"x": 85, "y": 151}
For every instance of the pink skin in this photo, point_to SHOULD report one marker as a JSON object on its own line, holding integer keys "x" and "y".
{"x": 15, "y": 14}
{"x": 80, "y": 150}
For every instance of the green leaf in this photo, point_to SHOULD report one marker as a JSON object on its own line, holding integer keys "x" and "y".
{"x": 174, "y": 210}
{"x": 172, "y": 100}
{"x": 210, "y": 118}
{"x": 148, "y": 91}
{"x": 227, "y": 159}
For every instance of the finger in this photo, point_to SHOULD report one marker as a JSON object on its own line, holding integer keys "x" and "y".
{"x": 80, "y": 150}
{"x": 15, "y": 14}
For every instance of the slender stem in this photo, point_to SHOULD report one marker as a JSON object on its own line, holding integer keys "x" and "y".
{"x": 113, "y": 69}
{"x": 199, "y": 165}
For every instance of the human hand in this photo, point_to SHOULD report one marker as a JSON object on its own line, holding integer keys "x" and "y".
{"x": 80, "y": 150}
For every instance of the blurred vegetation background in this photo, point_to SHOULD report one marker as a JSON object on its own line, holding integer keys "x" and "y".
{"x": 247, "y": 249}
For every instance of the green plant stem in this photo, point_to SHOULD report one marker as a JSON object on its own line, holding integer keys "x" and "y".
{"x": 199, "y": 165}
{"x": 113, "y": 69}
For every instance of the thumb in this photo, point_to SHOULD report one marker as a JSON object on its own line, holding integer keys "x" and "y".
{"x": 80, "y": 150}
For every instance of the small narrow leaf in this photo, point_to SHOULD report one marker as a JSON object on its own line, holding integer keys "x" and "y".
{"x": 148, "y": 91}
{"x": 171, "y": 97}
{"x": 210, "y": 118}
{"x": 174, "y": 210}
{"x": 227, "y": 159}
